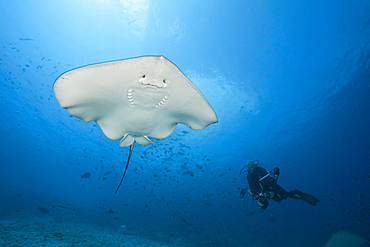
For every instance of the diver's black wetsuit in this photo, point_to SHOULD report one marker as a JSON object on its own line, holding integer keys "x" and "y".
{"x": 263, "y": 186}
{"x": 266, "y": 185}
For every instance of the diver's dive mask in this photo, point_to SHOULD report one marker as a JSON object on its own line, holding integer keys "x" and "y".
{"x": 247, "y": 167}
{"x": 252, "y": 164}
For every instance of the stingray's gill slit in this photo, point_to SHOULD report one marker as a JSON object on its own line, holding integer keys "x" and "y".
{"x": 162, "y": 102}
{"x": 130, "y": 96}
{"x": 128, "y": 161}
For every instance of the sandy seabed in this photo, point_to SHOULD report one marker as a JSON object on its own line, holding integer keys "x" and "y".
{"x": 46, "y": 231}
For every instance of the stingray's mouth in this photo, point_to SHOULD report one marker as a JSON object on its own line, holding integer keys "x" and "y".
{"x": 154, "y": 83}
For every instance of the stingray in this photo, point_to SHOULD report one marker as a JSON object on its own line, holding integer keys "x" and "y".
{"x": 134, "y": 99}
{"x": 346, "y": 239}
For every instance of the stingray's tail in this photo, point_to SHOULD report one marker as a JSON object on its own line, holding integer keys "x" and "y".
{"x": 128, "y": 161}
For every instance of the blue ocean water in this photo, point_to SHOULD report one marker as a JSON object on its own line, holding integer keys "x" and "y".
{"x": 288, "y": 80}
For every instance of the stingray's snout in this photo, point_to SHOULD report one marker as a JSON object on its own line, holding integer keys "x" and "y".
{"x": 155, "y": 83}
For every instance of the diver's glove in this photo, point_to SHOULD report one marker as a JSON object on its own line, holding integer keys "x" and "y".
{"x": 263, "y": 201}
{"x": 242, "y": 193}
{"x": 270, "y": 194}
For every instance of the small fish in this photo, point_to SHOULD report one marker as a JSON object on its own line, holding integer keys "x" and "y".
{"x": 360, "y": 196}
{"x": 63, "y": 207}
{"x": 184, "y": 167}
{"x": 58, "y": 234}
{"x": 132, "y": 21}
{"x": 183, "y": 219}
{"x": 86, "y": 175}
{"x": 175, "y": 213}
{"x": 250, "y": 213}
{"x": 188, "y": 173}
{"x": 110, "y": 211}
{"x": 270, "y": 219}
{"x": 43, "y": 210}
{"x": 25, "y": 39}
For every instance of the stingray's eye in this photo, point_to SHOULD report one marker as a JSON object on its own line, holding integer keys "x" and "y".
{"x": 164, "y": 80}
{"x": 143, "y": 76}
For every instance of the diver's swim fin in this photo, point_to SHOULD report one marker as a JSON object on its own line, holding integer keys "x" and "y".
{"x": 307, "y": 198}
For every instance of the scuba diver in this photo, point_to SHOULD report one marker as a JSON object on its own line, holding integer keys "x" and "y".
{"x": 263, "y": 186}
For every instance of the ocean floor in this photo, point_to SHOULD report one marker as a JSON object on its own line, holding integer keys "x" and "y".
{"x": 46, "y": 231}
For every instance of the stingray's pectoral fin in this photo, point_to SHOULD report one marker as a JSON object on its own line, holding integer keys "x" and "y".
{"x": 143, "y": 140}
{"x": 128, "y": 161}
{"x": 128, "y": 140}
